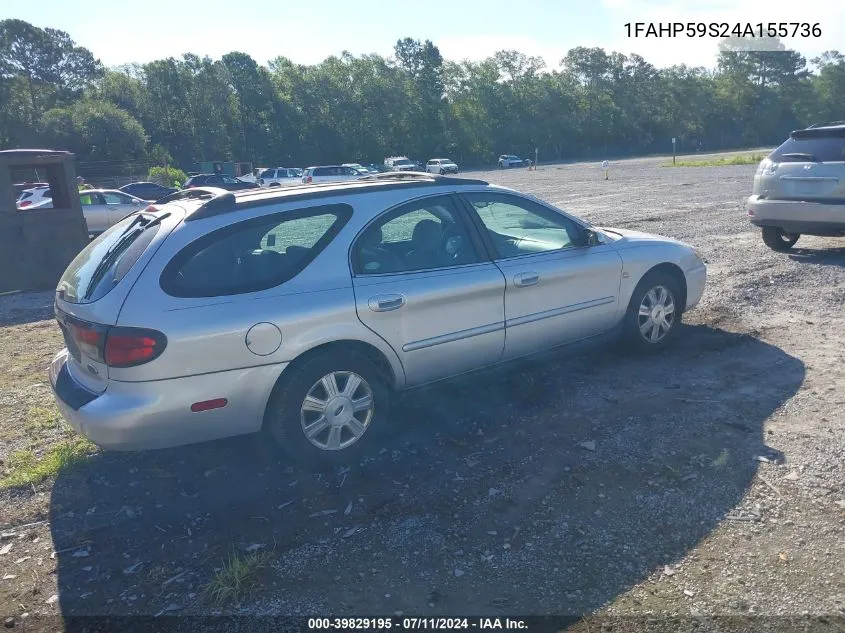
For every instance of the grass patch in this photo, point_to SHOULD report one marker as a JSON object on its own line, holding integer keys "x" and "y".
{"x": 25, "y": 467}
{"x": 42, "y": 419}
{"x": 740, "y": 159}
{"x": 236, "y": 578}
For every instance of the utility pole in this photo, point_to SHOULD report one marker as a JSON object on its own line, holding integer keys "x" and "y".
{"x": 673, "y": 151}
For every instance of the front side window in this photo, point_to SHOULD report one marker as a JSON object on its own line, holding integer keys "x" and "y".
{"x": 253, "y": 255}
{"x": 517, "y": 226}
{"x": 425, "y": 234}
{"x": 116, "y": 198}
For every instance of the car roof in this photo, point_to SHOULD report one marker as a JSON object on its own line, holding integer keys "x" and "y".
{"x": 215, "y": 201}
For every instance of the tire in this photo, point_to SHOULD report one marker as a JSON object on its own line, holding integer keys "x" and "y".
{"x": 636, "y": 333}
{"x": 776, "y": 239}
{"x": 285, "y": 420}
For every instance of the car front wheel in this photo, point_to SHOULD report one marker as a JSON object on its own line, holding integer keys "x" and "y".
{"x": 778, "y": 240}
{"x": 330, "y": 410}
{"x": 654, "y": 313}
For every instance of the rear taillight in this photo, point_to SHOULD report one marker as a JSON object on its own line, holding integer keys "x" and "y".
{"x": 25, "y": 203}
{"x": 308, "y": 179}
{"x": 116, "y": 346}
{"x": 128, "y": 347}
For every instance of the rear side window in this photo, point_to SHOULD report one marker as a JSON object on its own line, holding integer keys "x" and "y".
{"x": 253, "y": 255}
{"x": 810, "y": 148}
{"x": 106, "y": 260}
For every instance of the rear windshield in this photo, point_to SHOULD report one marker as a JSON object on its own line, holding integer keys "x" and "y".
{"x": 404, "y": 161}
{"x": 106, "y": 260}
{"x": 268, "y": 173}
{"x": 814, "y": 150}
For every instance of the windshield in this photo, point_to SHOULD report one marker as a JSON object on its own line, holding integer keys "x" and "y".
{"x": 106, "y": 260}
{"x": 404, "y": 161}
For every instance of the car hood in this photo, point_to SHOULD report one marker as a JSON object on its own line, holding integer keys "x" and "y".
{"x": 625, "y": 237}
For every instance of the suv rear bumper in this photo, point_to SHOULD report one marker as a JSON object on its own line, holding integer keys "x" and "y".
{"x": 150, "y": 415}
{"x": 798, "y": 216}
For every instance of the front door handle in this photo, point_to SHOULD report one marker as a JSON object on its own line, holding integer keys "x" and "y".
{"x": 385, "y": 303}
{"x": 526, "y": 279}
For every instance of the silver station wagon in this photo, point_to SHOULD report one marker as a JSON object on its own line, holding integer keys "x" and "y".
{"x": 299, "y": 311}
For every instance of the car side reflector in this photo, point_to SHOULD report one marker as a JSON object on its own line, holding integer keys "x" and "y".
{"x": 207, "y": 405}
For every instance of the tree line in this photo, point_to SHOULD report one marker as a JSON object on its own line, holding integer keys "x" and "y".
{"x": 593, "y": 104}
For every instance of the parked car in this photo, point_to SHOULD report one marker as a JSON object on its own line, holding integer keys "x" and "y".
{"x": 20, "y": 187}
{"x": 441, "y": 166}
{"x": 300, "y": 312}
{"x": 221, "y": 181}
{"x": 102, "y": 208}
{"x": 363, "y": 171}
{"x": 147, "y": 190}
{"x": 278, "y": 176}
{"x": 376, "y": 169}
{"x": 400, "y": 163}
{"x": 33, "y": 197}
{"x": 509, "y": 160}
{"x": 799, "y": 189}
{"x": 330, "y": 173}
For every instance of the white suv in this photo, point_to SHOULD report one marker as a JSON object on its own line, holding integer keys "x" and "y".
{"x": 800, "y": 187}
{"x": 400, "y": 163}
{"x": 329, "y": 173}
{"x": 441, "y": 166}
{"x": 278, "y": 176}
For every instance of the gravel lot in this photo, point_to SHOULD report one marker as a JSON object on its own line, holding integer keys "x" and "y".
{"x": 704, "y": 481}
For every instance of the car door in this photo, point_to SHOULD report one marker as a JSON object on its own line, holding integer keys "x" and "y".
{"x": 95, "y": 210}
{"x": 118, "y": 206}
{"x": 559, "y": 290}
{"x": 423, "y": 284}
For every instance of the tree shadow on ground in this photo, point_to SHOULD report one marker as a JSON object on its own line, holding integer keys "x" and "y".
{"x": 546, "y": 488}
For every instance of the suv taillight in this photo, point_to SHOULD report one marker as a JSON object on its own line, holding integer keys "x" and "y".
{"x": 308, "y": 179}
{"x": 25, "y": 203}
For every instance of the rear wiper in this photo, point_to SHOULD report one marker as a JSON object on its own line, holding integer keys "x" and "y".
{"x": 800, "y": 156}
{"x": 117, "y": 248}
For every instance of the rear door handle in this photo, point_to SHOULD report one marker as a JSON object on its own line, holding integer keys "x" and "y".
{"x": 385, "y": 303}
{"x": 526, "y": 279}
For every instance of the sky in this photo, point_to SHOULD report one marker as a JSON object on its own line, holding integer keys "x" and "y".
{"x": 308, "y": 32}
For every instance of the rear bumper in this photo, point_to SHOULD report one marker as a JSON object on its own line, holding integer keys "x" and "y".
{"x": 157, "y": 414}
{"x": 798, "y": 216}
{"x": 696, "y": 281}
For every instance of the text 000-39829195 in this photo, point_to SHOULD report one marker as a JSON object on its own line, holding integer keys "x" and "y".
{"x": 722, "y": 29}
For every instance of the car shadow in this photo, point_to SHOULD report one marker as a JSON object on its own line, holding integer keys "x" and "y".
{"x": 544, "y": 488}
{"x": 823, "y": 256}
{"x": 19, "y": 308}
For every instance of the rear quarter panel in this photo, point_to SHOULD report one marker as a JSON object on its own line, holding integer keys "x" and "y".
{"x": 208, "y": 335}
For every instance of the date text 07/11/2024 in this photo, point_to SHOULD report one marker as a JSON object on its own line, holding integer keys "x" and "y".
{"x": 723, "y": 29}
{"x": 415, "y": 624}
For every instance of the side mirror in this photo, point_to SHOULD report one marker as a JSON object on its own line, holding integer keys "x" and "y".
{"x": 591, "y": 238}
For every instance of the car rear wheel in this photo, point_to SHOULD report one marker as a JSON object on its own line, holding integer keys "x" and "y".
{"x": 778, "y": 240}
{"x": 330, "y": 410}
{"x": 654, "y": 313}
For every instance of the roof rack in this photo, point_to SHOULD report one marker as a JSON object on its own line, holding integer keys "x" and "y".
{"x": 218, "y": 201}
{"x": 422, "y": 175}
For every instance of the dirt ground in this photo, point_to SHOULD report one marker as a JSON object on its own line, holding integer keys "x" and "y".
{"x": 705, "y": 481}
